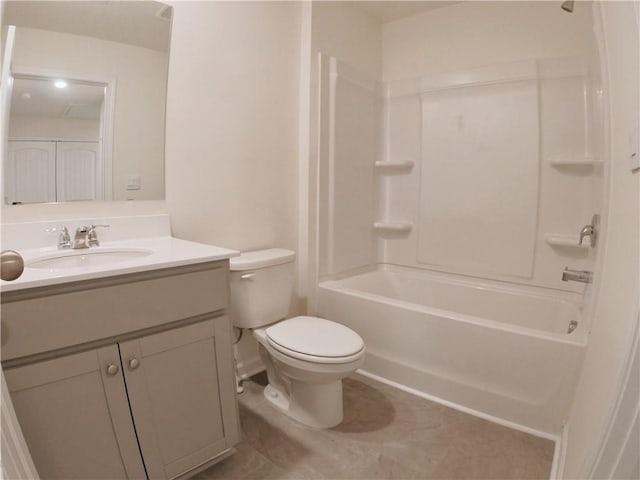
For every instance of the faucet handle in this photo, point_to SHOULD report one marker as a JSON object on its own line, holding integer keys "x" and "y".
{"x": 92, "y": 236}
{"x": 587, "y": 231}
{"x": 64, "y": 239}
{"x": 592, "y": 231}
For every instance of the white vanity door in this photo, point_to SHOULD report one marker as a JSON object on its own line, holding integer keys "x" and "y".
{"x": 31, "y": 172}
{"x": 182, "y": 396}
{"x": 79, "y": 171}
{"x": 75, "y": 417}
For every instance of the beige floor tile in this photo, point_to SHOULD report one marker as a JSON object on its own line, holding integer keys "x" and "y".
{"x": 386, "y": 434}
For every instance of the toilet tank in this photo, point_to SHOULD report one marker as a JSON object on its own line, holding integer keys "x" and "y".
{"x": 261, "y": 287}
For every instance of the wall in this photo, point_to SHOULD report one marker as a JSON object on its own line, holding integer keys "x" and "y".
{"x": 349, "y": 145}
{"x": 616, "y": 311}
{"x": 340, "y": 30}
{"x": 474, "y": 34}
{"x": 472, "y": 226}
{"x": 232, "y": 123}
{"x": 140, "y": 76}
{"x": 232, "y": 127}
{"x": 21, "y": 127}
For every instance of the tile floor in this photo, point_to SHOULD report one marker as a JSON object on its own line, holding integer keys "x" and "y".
{"x": 386, "y": 433}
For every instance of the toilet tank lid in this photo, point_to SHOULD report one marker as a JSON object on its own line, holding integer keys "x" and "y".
{"x": 261, "y": 259}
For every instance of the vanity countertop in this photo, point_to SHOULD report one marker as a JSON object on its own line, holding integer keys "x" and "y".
{"x": 165, "y": 252}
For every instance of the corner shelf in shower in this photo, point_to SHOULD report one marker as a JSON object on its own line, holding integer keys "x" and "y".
{"x": 564, "y": 240}
{"x": 395, "y": 228}
{"x": 564, "y": 161}
{"x": 393, "y": 168}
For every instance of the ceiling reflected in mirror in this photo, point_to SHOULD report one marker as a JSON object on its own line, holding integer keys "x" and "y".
{"x": 144, "y": 24}
{"x": 56, "y": 98}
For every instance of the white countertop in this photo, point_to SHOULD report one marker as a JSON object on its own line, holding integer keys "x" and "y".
{"x": 166, "y": 251}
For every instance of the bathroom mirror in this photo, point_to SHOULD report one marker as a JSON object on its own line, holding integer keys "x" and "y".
{"x": 87, "y": 109}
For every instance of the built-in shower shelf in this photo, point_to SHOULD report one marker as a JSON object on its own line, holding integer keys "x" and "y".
{"x": 393, "y": 168}
{"x": 392, "y": 227}
{"x": 564, "y": 240}
{"x": 560, "y": 161}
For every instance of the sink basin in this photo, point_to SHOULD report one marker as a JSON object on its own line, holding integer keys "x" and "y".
{"x": 87, "y": 258}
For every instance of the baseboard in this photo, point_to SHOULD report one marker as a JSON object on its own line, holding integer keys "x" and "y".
{"x": 462, "y": 408}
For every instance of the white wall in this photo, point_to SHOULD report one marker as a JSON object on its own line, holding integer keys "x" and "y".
{"x": 616, "y": 312}
{"x": 455, "y": 43}
{"x": 232, "y": 125}
{"x": 474, "y": 34}
{"x": 341, "y": 30}
{"x": 140, "y": 76}
{"x": 232, "y": 128}
{"x": 21, "y": 127}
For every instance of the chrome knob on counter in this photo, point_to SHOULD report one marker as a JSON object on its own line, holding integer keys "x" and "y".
{"x": 112, "y": 369}
{"x": 134, "y": 363}
{"x": 11, "y": 265}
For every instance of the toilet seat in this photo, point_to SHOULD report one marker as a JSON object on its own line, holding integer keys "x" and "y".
{"x": 315, "y": 340}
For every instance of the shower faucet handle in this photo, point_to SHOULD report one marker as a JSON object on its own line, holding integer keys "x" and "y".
{"x": 592, "y": 230}
{"x": 587, "y": 231}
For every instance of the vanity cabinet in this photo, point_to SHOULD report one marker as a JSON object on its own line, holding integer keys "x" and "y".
{"x": 149, "y": 397}
{"x": 75, "y": 416}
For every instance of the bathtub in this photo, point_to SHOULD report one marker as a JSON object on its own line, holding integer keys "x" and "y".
{"x": 500, "y": 349}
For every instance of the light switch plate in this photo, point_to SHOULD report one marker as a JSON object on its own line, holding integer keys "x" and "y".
{"x": 134, "y": 182}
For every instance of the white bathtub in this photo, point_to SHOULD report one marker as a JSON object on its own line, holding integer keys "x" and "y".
{"x": 500, "y": 349}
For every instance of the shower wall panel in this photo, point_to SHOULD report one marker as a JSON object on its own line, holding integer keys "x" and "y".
{"x": 350, "y": 148}
{"x": 505, "y": 171}
{"x": 488, "y": 172}
{"x": 479, "y": 178}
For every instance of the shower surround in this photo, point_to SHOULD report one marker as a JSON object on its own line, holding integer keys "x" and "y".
{"x": 448, "y": 207}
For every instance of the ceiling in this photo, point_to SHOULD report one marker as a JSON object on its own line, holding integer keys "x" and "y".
{"x": 139, "y": 23}
{"x": 388, "y": 11}
{"x": 40, "y": 98}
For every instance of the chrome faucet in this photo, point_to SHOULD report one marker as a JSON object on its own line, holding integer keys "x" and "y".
{"x": 64, "y": 240}
{"x": 80, "y": 238}
{"x": 583, "y": 276}
{"x": 591, "y": 231}
{"x": 86, "y": 237}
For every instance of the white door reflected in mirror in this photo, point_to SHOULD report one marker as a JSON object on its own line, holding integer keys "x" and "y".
{"x": 56, "y": 128}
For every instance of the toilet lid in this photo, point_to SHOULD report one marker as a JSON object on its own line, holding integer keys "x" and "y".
{"x": 315, "y": 336}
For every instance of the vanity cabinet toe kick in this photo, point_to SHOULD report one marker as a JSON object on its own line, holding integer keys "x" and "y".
{"x": 124, "y": 377}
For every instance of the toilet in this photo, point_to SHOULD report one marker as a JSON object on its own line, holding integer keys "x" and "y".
{"x": 306, "y": 357}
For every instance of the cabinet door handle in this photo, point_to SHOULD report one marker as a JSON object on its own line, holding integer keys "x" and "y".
{"x": 112, "y": 369}
{"x": 134, "y": 363}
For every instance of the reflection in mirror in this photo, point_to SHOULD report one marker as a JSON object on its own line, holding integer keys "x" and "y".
{"x": 98, "y": 134}
{"x": 55, "y": 142}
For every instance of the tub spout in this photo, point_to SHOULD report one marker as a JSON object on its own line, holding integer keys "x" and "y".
{"x": 583, "y": 276}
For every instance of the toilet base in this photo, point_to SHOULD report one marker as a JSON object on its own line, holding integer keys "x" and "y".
{"x": 317, "y": 405}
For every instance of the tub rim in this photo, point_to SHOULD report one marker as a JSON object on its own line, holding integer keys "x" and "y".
{"x": 335, "y": 285}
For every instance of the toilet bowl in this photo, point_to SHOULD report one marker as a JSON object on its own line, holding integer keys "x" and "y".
{"x": 306, "y": 357}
